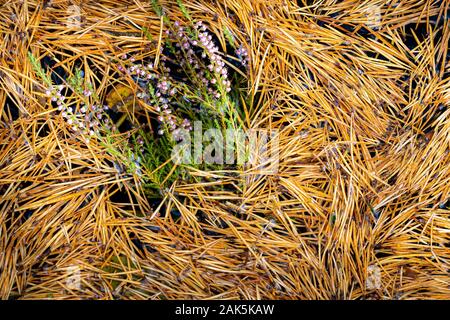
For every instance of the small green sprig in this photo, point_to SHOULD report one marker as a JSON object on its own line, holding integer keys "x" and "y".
{"x": 184, "y": 10}
{"x": 77, "y": 81}
{"x": 157, "y": 8}
{"x": 40, "y": 72}
{"x": 230, "y": 37}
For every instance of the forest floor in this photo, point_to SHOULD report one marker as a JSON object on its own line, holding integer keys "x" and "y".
{"x": 353, "y": 201}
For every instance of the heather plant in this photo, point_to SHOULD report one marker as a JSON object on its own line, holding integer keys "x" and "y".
{"x": 188, "y": 80}
{"x": 191, "y": 82}
{"x": 83, "y": 113}
{"x": 86, "y": 118}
